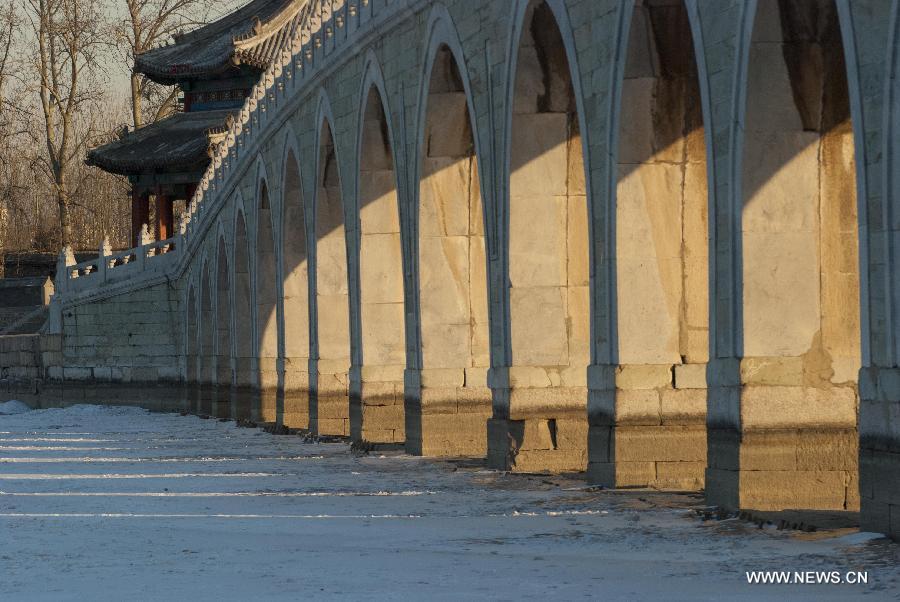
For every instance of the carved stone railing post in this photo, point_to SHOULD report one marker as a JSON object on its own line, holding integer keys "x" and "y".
{"x": 140, "y": 254}
{"x": 103, "y": 263}
{"x": 62, "y": 272}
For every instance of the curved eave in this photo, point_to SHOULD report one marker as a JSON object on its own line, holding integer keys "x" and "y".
{"x": 177, "y": 144}
{"x": 135, "y": 168}
{"x": 172, "y": 77}
{"x": 246, "y": 36}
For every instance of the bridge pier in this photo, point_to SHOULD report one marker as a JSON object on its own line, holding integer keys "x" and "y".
{"x": 775, "y": 447}
{"x": 221, "y": 405}
{"x": 879, "y": 453}
{"x": 538, "y": 429}
{"x": 329, "y": 405}
{"x": 206, "y": 388}
{"x": 376, "y": 404}
{"x": 647, "y": 426}
{"x": 295, "y": 393}
{"x": 444, "y": 416}
{"x": 243, "y": 400}
{"x": 268, "y": 385}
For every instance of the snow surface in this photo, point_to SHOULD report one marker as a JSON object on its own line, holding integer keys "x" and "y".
{"x": 107, "y": 503}
{"x": 13, "y": 406}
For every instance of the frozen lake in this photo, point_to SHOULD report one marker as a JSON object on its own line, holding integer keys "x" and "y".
{"x": 109, "y": 503}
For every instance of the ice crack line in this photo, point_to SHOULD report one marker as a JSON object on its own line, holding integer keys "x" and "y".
{"x": 189, "y": 459}
{"x": 169, "y": 475}
{"x": 201, "y": 494}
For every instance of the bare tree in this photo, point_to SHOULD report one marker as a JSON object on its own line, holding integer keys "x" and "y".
{"x": 8, "y": 22}
{"x": 149, "y": 23}
{"x": 8, "y": 192}
{"x": 67, "y": 43}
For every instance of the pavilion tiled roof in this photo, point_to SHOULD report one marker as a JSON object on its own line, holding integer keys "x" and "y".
{"x": 180, "y": 143}
{"x": 251, "y": 35}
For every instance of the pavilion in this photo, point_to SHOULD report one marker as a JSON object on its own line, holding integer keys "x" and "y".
{"x": 215, "y": 66}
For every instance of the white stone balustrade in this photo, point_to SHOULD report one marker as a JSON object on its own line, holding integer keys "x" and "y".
{"x": 151, "y": 258}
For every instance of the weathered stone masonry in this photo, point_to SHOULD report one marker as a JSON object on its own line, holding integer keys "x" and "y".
{"x": 650, "y": 240}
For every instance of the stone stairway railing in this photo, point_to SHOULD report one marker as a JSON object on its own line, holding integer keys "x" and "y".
{"x": 152, "y": 256}
{"x": 327, "y": 27}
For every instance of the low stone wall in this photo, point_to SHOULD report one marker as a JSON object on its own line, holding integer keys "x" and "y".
{"x": 21, "y": 365}
{"x": 134, "y": 337}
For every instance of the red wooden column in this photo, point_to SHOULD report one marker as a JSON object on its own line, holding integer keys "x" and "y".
{"x": 165, "y": 223}
{"x": 140, "y": 214}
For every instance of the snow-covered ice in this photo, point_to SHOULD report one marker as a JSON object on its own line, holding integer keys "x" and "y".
{"x": 14, "y": 406}
{"x": 106, "y": 503}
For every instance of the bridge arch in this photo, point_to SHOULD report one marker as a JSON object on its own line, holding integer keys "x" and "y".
{"x": 659, "y": 198}
{"x": 207, "y": 336}
{"x": 329, "y": 407}
{"x": 266, "y": 298}
{"x": 295, "y": 287}
{"x": 242, "y": 308}
{"x": 795, "y": 284}
{"x": 454, "y": 401}
{"x": 224, "y": 327}
{"x": 376, "y": 401}
{"x": 191, "y": 335}
{"x": 549, "y": 313}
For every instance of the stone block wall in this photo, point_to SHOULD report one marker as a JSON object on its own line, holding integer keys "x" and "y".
{"x": 130, "y": 338}
{"x": 22, "y": 364}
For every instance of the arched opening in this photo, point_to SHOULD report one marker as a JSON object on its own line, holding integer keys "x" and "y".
{"x": 266, "y": 315}
{"x": 377, "y": 412}
{"x": 243, "y": 341}
{"x": 455, "y": 401}
{"x": 800, "y": 277}
{"x": 661, "y": 261}
{"x": 548, "y": 257}
{"x": 192, "y": 350}
{"x": 207, "y": 342}
{"x": 223, "y": 333}
{"x": 329, "y": 410}
{"x": 296, "y": 300}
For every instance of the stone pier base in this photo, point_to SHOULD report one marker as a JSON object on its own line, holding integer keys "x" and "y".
{"x": 777, "y": 469}
{"x": 647, "y": 425}
{"x": 879, "y": 450}
{"x": 267, "y": 409}
{"x": 243, "y": 400}
{"x": 376, "y": 404}
{"x": 448, "y": 421}
{"x": 221, "y": 404}
{"x": 295, "y": 413}
{"x": 192, "y": 397}
{"x": 538, "y": 444}
{"x": 330, "y": 413}
{"x": 659, "y": 456}
{"x": 206, "y": 399}
{"x": 879, "y": 475}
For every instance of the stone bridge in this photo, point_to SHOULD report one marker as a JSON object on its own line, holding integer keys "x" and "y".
{"x": 655, "y": 241}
